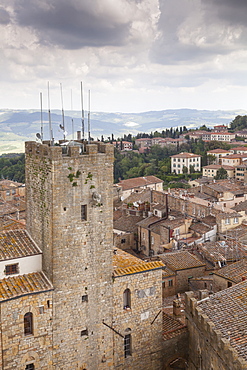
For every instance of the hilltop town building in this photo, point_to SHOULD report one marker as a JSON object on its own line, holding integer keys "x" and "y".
{"x": 87, "y": 305}
{"x": 185, "y": 160}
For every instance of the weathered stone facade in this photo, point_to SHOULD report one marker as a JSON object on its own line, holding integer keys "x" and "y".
{"x": 143, "y": 321}
{"x": 18, "y": 349}
{"x": 69, "y": 215}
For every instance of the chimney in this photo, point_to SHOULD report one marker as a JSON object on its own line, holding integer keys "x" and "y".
{"x": 78, "y": 135}
{"x": 176, "y": 307}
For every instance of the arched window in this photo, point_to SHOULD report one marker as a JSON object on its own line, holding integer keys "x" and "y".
{"x": 28, "y": 323}
{"x": 127, "y": 299}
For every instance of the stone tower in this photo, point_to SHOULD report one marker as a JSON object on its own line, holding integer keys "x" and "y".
{"x": 69, "y": 215}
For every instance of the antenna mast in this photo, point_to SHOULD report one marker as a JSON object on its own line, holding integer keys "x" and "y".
{"x": 72, "y": 120}
{"x": 63, "y": 125}
{"x": 41, "y": 117}
{"x": 49, "y": 113}
{"x": 89, "y": 117}
{"x": 82, "y": 115}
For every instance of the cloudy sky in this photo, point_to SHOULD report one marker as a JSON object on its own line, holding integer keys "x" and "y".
{"x": 133, "y": 55}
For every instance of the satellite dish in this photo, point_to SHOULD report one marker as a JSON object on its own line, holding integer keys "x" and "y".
{"x": 38, "y": 137}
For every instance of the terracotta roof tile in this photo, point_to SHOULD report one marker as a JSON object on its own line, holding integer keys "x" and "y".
{"x": 126, "y": 264}
{"x": 235, "y": 272}
{"x": 139, "y": 182}
{"x": 172, "y": 327}
{"x": 15, "y": 244}
{"x": 15, "y": 286}
{"x": 227, "y": 310}
{"x": 181, "y": 260}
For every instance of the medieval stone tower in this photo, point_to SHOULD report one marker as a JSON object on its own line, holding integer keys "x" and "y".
{"x": 69, "y": 216}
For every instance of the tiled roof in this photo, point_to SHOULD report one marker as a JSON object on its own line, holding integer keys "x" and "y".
{"x": 15, "y": 286}
{"x": 172, "y": 327}
{"x": 229, "y": 251}
{"x": 218, "y": 151}
{"x": 168, "y": 272}
{"x": 185, "y": 155}
{"x": 209, "y": 220}
{"x": 181, "y": 260}
{"x": 126, "y": 264}
{"x": 9, "y": 184}
{"x": 242, "y": 148}
{"x": 139, "y": 182}
{"x": 11, "y": 224}
{"x": 227, "y": 310}
{"x": 148, "y": 221}
{"x": 235, "y": 272}
{"x": 218, "y": 166}
{"x": 127, "y": 223}
{"x": 142, "y": 196}
{"x": 200, "y": 228}
{"x": 241, "y": 207}
{"x": 15, "y": 244}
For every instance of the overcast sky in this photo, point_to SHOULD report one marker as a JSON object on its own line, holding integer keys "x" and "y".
{"x": 133, "y": 55}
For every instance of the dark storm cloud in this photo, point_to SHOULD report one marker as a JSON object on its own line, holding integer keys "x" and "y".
{"x": 4, "y": 16}
{"x": 71, "y": 24}
{"x": 194, "y": 31}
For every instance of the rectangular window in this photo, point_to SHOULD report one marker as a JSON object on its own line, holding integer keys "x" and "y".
{"x": 29, "y": 367}
{"x": 227, "y": 221}
{"x": 123, "y": 241}
{"x": 127, "y": 345}
{"x": 83, "y": 212}
{"x": 152, "y": 239}
{"x": 84, "y": 332}
{"x": 84, "y": 298}
{"x": 236, "y": 220}
{"x": 12, "y": 269}
{"x": 170, "y": 282}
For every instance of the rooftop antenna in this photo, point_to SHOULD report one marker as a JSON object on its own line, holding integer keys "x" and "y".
{"x": 63, "y": 125}
{"x": 89, "y": 138}
{"x": 82, "y": 115}
{"x": 49, "y": 114}
{"x": 72, "y": 120}
{"x": 41, "y": 117}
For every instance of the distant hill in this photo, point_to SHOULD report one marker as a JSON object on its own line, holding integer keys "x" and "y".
{"x": 17, "y": 126}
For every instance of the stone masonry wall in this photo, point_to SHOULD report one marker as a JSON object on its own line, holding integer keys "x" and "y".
{"x": 77, "y": 252}
{"x": 19, "y": 349}
{"x": 182, "y": 284}
{"x": 207, "y": 348}
{"x": 144, "y": 319}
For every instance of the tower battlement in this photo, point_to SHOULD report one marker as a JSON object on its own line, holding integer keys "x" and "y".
{"x": 58, "y": 152}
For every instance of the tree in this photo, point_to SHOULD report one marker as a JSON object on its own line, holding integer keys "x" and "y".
{"x": 185, "y": 169}
{"x": 221, "y": 174}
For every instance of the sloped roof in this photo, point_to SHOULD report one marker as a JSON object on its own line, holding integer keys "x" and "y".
{"x": 172, "y": 327}
{"x": 127, "y": 264}
{"x": 218, "y": 151}
{"x": 137, "y": 182}
{"x": 227, "y": 310}
{"x": 16, "y": 244}
{"x": 181, "y": 260}
{"x": 185, "y": 155}
{"x": 127, "y": 223}
{"x": 235, "y": 272}
{"x": 218, "y": 166}
{"x": 16, "y": 286}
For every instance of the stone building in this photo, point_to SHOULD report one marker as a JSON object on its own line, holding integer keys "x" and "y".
{"x": 217, "y": 330}
{"x": 64, "y": 290}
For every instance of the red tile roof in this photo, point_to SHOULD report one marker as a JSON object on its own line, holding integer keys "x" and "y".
{"x": 137, "y": 182}
{"x": 185, "y": 155}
